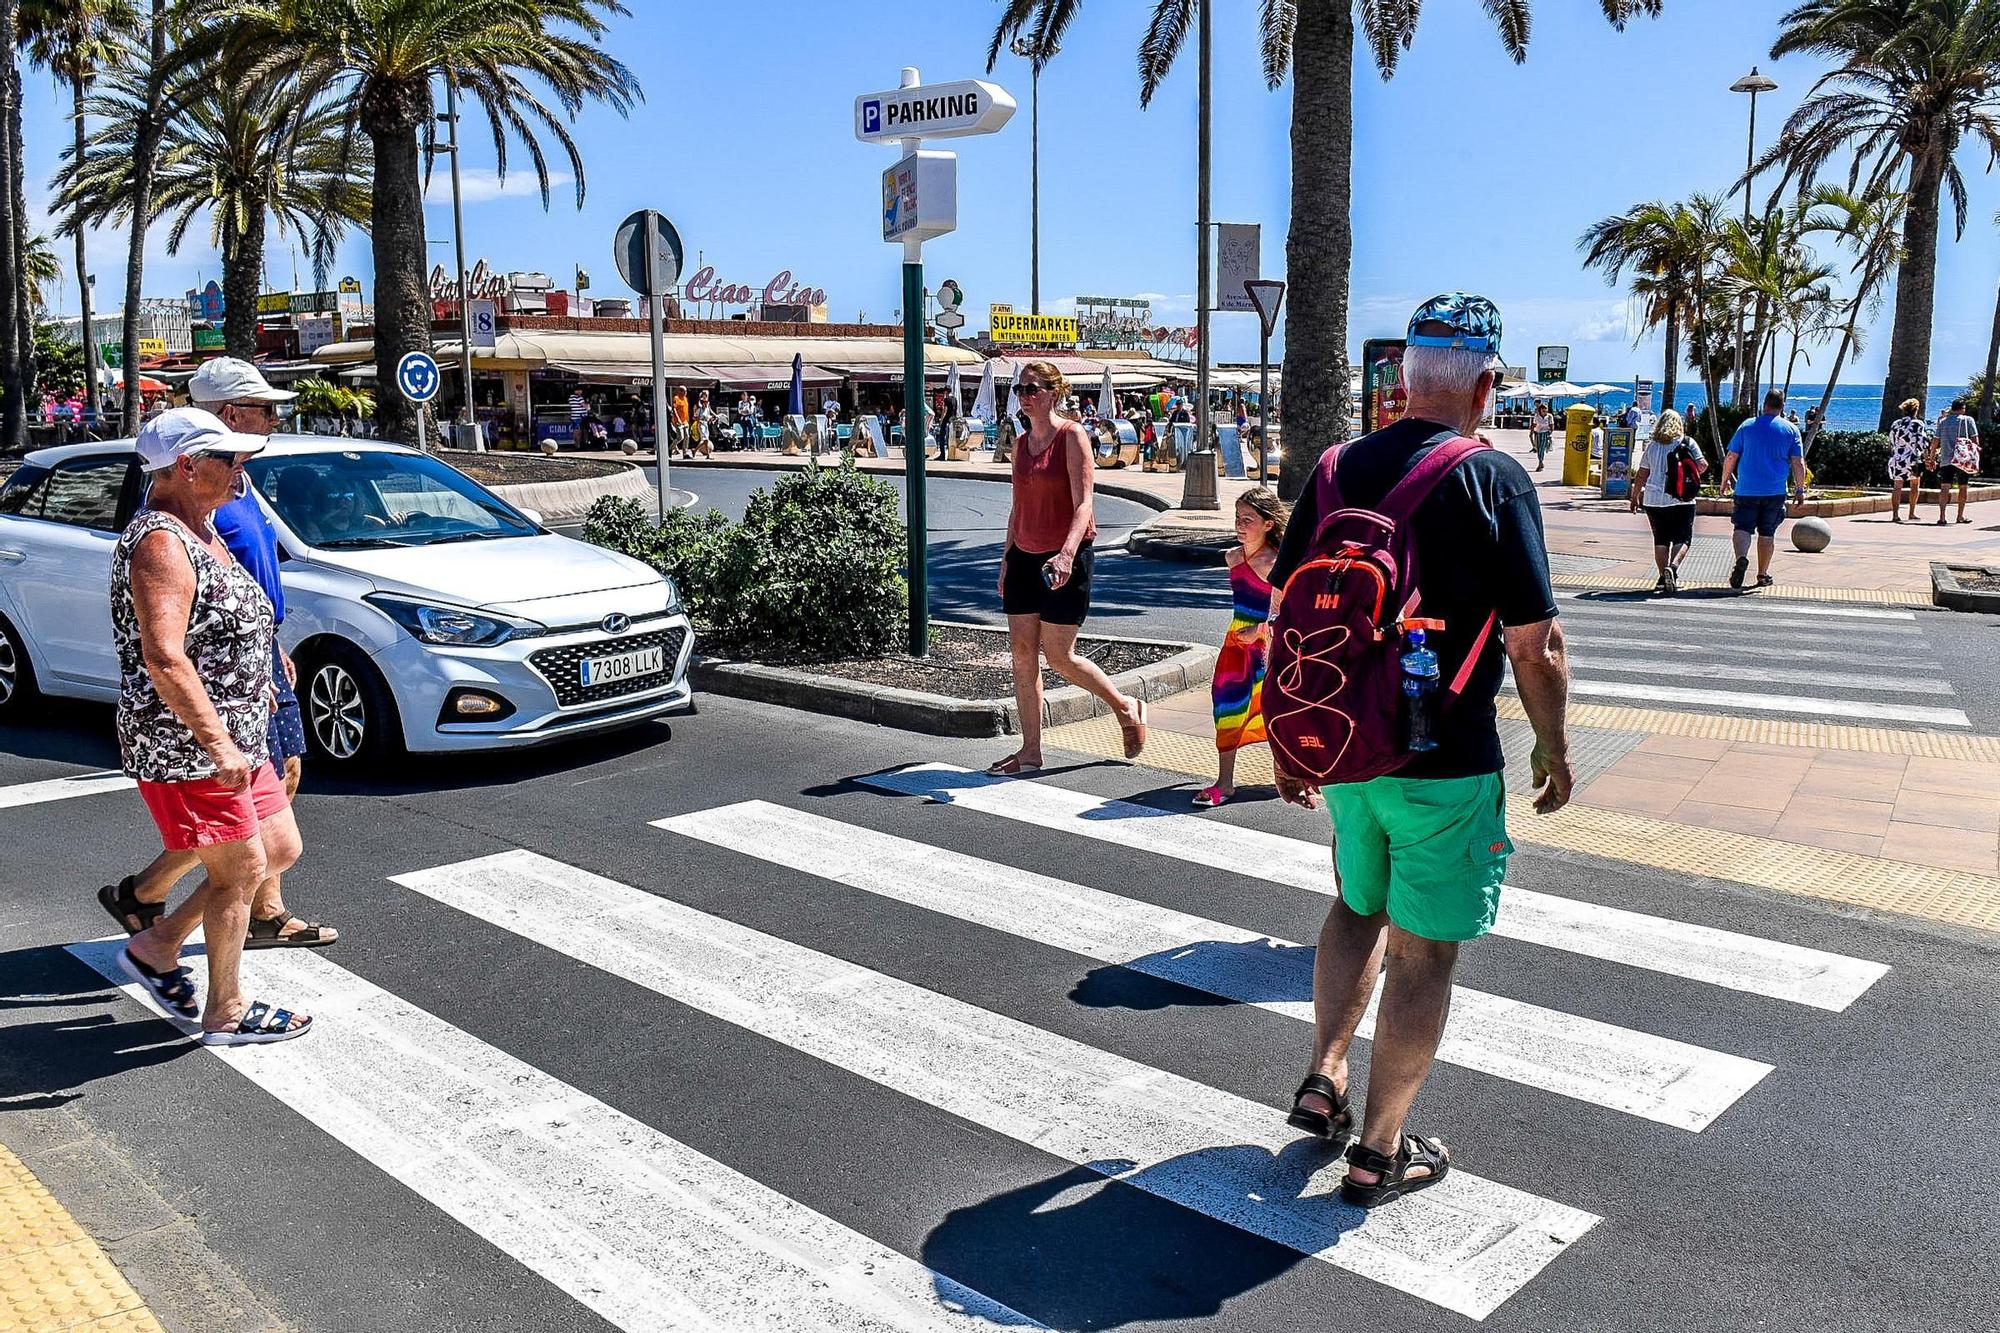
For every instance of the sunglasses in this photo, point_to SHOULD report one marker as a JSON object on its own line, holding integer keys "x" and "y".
{"x": 1029, "y": 386}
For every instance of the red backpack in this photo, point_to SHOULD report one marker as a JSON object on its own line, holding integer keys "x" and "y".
{"x": 1333, "y": 689}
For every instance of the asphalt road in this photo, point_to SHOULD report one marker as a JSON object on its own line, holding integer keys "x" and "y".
{"x": 781, "y": 1061}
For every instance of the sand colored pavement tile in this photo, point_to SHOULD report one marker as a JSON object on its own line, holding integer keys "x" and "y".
{"x": 1953, "y": 849}
{"x": 1725, "y": 818}
{"x": 1687, "y": 747}
{"x": 1788, "y": 829}
{"x": 1975, "y": 813}
{"x": 1642, "y": 796}
{"x": 1836, "y": 814}
{"x": 1951, "y": 775}
{"x": 1851, "y": 782}
{"x": 1669, "y": 768}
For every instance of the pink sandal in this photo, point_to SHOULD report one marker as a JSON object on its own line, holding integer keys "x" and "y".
{"x": 1211, "y": 796}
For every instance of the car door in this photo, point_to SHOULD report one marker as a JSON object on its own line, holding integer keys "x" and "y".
{"x": 55, "y": 550}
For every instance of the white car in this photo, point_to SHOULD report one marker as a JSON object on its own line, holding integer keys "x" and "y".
{"x": 424, "y": 612}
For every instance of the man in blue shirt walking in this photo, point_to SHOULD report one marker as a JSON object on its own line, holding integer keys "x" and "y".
{"x": 1763, "y": 455}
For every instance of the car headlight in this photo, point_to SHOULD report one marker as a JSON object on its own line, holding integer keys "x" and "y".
{"x": 673, "y": 595}
{"x": 452, "y": 626}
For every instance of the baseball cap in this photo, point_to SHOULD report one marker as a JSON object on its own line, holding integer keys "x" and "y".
{"x": 1474, "y": 322}
{"x": 183, "y": 432}
{"x": 231, "y": 379}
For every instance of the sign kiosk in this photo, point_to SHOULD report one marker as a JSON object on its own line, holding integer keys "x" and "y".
{"x": 919, "y": 201}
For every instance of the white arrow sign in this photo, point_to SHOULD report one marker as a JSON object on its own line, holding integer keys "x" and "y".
{"x": 932, "y": 111}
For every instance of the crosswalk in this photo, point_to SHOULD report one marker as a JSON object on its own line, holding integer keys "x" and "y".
{"x": 650, "y": 1233}
{"x": 1757, "y": 656}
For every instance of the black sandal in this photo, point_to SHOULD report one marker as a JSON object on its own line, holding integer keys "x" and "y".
{"x": 1336, "y": 1128}
{"x": 267, "y": 932}
{"x": 261, "y": 1023}
{"x": 1393, "y": 1179}
{"x": 172, "y": 989}
{"x": 125, "y": 907}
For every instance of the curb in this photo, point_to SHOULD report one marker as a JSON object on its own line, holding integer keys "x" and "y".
{"x": 1948, "y": 592}
{"x": 568, "y": 501}
{"x": 935, "y": 714}
{"x": 1184, "y": 551}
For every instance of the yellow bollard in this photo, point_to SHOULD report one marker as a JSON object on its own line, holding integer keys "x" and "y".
{"x": 1577, "y": 421}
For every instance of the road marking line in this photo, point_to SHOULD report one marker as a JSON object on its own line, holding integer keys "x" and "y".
{"x": 1466, "y": 1244}
{"x": 1769, "y": 703}
{"x": 1701, "y": 953}
{"x": 1753, "y": 607}
{"x": 1776, "y": 639}
{"x": 1783, "y": 654}
{"x": 1656, "y": 1078}
{"x": 640, "y": 1228}
{"x": 1766, "y": 625}
{"x": 1714, "y": 670}
{"x": 63, "y": 789}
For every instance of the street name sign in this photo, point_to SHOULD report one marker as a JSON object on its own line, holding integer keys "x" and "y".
{"x": 932, "y": 111}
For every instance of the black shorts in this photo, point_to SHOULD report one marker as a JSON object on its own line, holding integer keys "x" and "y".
{"x": 1953, "y": 476}
{"x": 1673, "y": 525}
{"x": 1022, "y": 592}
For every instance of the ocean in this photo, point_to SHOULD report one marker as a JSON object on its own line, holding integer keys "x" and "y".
{"x": 1854, "y": 406}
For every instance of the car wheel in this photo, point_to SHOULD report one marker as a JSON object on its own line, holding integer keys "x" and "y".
{"x": 350, "y": 718}
{"x": 17, "y": 672}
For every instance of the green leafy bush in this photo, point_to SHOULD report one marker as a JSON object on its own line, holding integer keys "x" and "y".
{"x": 814, "y": 572}
{"x": 1850, "y": 458}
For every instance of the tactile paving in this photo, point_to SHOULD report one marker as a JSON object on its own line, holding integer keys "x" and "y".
{"x": 53, "y": 1276}
{"x": 1766, "y": 731}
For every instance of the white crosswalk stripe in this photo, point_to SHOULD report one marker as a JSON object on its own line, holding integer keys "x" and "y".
{"x": 642, "y": 1229}
{"x": 1668, "y": 1081}
{"x": 1719, "y": 957}
{"x": 1583, "y": 686}
{"x": 62, "y": 789}
{"x": 1732, "y": 671}
{"x": 1757, "y": 605}
{"x": 1466, "y": 1244}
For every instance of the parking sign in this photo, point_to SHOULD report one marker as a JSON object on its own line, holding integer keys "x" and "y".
{"x": 871, "y": 116}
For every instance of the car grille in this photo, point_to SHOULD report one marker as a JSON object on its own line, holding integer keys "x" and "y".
{"x": 563, "y": 667}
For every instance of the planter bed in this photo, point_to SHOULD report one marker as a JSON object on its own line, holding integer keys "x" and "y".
{"x": 1871, "y": 502}
{"x": 1966, "y": 587}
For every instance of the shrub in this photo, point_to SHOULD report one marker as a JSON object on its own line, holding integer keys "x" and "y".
{"x": 1850, "y": 458}
{"x": 814, "y": 572}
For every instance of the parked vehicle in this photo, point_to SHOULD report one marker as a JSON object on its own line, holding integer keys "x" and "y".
{"x": 424, "y": 612}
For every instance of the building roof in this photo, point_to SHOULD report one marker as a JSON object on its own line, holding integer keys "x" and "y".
{"x": 630, "y": 356}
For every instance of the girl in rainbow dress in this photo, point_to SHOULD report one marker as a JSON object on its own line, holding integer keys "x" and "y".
{"x": 1239, "y": 668}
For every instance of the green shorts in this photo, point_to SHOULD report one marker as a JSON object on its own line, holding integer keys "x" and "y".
{"x": 1432, "y": 851}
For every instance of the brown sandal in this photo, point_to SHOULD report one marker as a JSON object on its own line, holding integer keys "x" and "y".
{"x": 1135, "y": 733}
{"x": 268, "y": 932}
{"x": 1012, "y": 766}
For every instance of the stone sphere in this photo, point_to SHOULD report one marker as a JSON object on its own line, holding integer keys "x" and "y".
{"x": 1811, "y": 534}
{"x": 630, "y": 446}
{"x": 549, "y": 447}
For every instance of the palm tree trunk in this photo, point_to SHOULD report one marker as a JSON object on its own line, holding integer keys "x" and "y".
{"x": 1792, "y": 363}
{"x": 402, "y": 301}
{"x": 90, "y": 404}
{"x": 242, "y": 277}
{"x": 146, "y": 145}
{"x": 1916, "y": 289}
{"x": 17, "y": 185}
{"x": 13, "y": 282}
{"x": 1668, "y": 382}
{"x": 1319, "y": 246}
{"x": 1985, "y": 411}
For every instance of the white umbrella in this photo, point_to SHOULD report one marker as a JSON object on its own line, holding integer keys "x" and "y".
{"x": 983, "y": 405}
{"x": 1107, "y": 397}
{"x": 1013, "y": 399}
{"x": 1605, "y": 388}
{"x": 1562, "y": 389}
{"x": 952, "y": 400}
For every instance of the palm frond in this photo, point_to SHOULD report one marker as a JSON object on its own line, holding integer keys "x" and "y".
{"x": 1165, "y": 36}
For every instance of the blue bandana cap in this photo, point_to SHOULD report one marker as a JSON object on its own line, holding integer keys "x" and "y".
{"x": 1474, "y": 322}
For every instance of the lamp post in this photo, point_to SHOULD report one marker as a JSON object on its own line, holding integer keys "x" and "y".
{"x": 1752, "y": 83}
{"x": 1037, "y": 52}
{"x": 450, "y": 117}
{"x": 1198, "y": 484}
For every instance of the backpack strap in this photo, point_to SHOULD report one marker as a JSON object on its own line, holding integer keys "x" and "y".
{"x": 1447, "y": 450}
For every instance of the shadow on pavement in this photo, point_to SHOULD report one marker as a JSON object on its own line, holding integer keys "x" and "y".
{"x": 1203, "y": 973}
{"x": 49, "y": 1061}
{"x": 1080, "y": 1252}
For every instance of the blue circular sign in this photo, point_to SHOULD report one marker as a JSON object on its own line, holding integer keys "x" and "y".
{"x": 417, "y": 376}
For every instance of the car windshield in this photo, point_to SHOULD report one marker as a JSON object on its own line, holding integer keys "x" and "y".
{"x": 366, "y": 498}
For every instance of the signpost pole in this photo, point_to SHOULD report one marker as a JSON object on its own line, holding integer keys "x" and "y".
{"x": 915, "y": 450}
{"x": 423, "y": 444}
{"x": 656, "y": 316}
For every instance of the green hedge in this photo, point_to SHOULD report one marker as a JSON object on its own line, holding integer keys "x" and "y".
{"x": 1850, "y": 458}
{"x": 813, "y": 573}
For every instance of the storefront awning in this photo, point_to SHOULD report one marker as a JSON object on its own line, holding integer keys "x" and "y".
{"x": 760, "y": 378}
{"x": 894, "y": 374}
{"x": 625, "y": 372}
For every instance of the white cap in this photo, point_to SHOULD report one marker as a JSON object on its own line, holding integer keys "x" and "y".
{"x": 182, "y": 431}
{"x": 231, "y": 379}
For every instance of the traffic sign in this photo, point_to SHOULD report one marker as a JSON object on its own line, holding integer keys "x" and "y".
{"x": 629, "y": 249}
{"x": 482, "y": 324}
{"x": 417, "y": 376}
{"x": 950, "y": 319}
{"x": 932, "y": 111}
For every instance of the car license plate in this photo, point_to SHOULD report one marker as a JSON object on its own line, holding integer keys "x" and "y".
{"x": 624, "y": 666}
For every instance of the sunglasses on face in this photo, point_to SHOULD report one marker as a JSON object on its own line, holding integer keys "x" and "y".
{"x": 1030, "y": 387}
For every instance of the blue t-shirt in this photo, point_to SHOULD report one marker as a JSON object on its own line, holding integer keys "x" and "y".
{"x": 1765, "y": 446}
{"x": 253, "y": 541}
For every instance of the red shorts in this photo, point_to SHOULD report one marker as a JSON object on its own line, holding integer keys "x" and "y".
{"x": 204, "y": 813}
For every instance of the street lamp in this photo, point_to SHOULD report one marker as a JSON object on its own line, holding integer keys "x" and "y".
{"x": 1037, "y": 52}
{"x": 450, "y": 118}
{"x": 1752, "y": 83}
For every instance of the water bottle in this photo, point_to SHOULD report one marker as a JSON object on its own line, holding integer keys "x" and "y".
{"x": 1420, "y": 684}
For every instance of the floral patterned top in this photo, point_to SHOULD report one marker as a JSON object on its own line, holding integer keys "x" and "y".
{"x": 1909, "y": 437}
{"x": 229, "y": 641}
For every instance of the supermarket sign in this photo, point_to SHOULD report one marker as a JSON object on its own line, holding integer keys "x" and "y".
{"x": 1034, "y": 330}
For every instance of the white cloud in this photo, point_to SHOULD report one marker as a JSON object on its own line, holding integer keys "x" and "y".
{"x": 478, "y": 185}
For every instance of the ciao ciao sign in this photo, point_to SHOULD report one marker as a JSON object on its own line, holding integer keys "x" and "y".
{"x": 781, "y": 290}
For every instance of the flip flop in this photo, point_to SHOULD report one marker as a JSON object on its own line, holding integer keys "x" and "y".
{"x": 1011, "y": 767}
{"x": 1135, "y": 733}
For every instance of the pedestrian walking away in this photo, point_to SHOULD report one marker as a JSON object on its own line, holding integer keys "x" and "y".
{"x": 1419, "y": 829}
{"x": 1238, "y": 685}
{"x": 1910, "y": 445}
{"x": 1044, "y": 579}
{"x": 1763, "y": 454}
{"x": 193, "y": 633}
{"x": 240, "y": 397}
{"x": 1668, "y": 484}
{"x": 1541, "y": 432}
{"x": 1958, "y": 458}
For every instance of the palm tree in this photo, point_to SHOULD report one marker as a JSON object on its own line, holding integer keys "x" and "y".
{"x": 1912, "y": 79}
{"x": 380, "y": 60}
{"x": 151, "y": 122}
{"x": 74, "y": 39}
{"x": 1983, "y": 390}
{"x": 1870, "y": 226}
{"x": 16, "y": 354}
{"x": 40, "y": 268}
{"x": 1314, "y": 42}
{"x": 249, "y": 155}
{"x": 1670, "y": 249}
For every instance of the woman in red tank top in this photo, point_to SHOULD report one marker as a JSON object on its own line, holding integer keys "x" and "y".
{"x": 1045, "y": 576}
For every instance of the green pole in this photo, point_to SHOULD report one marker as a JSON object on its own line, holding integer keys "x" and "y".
{"x": 914, "y": 449}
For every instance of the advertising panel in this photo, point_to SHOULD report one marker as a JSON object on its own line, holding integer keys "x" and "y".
{"x": 1551, "y": 364}
{"x": 1237, "y": 261}
{"x": 1035, "y": 330}
{"x": 1383, "y": 397}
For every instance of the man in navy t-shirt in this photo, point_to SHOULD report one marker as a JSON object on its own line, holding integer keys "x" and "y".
{"x": 1764, "y": 453}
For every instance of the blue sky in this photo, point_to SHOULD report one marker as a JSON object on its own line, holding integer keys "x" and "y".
{"x": 1469, "y": 171}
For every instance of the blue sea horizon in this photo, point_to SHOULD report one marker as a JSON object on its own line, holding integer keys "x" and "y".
{"x": 1854, "y": 406}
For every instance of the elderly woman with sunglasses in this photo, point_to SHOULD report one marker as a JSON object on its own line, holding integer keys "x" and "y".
{"x": 1044, "y": 579}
